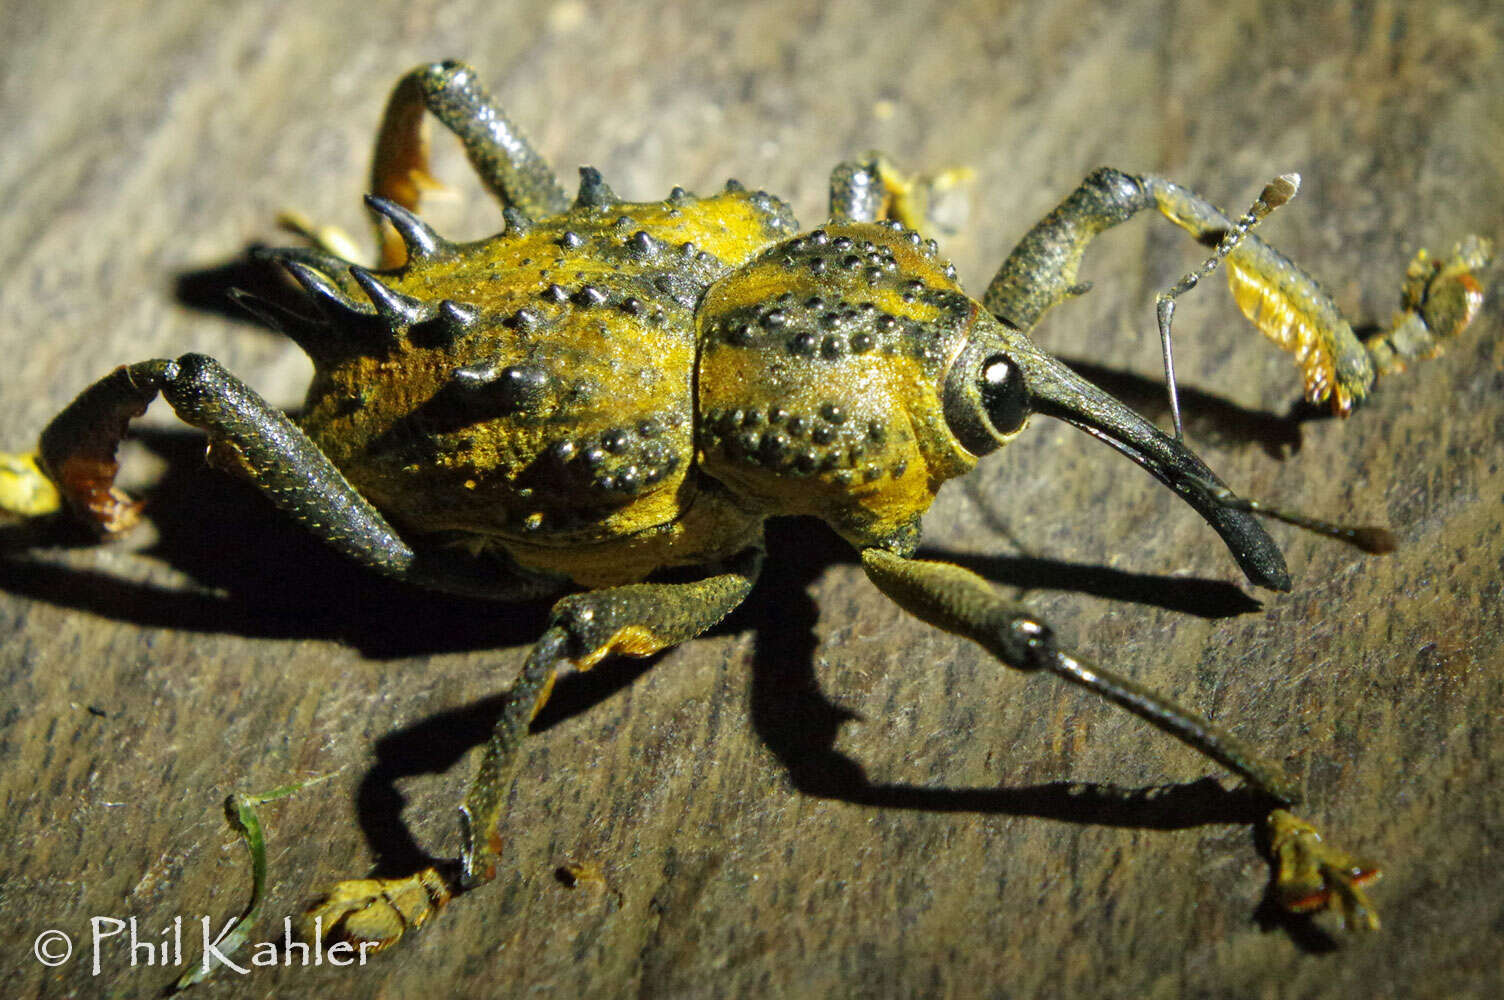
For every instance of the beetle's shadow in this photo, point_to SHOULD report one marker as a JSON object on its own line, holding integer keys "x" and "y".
{"x": 800, "y": 725}
{"x": 251, "y": 572}
{"x": 1209, "y": 420}
{"x": 278, "y": 582}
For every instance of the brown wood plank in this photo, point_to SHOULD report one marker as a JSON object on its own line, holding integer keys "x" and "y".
{"x": 824, "y": 797}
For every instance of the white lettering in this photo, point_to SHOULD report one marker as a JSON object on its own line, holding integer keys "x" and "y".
{"x": 98, "y": 934}
{"x": 219, "y": 957}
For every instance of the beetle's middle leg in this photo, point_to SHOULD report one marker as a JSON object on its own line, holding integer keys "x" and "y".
{"x": 872, "y": 189}
{"x": 1309, "y": 873}
{"x": 633, "y": 620}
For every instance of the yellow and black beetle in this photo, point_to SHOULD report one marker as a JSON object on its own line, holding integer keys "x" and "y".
{"x": 607, "y": 390}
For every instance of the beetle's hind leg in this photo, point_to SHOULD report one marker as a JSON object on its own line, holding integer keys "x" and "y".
{"x": 506, "y": 162}
{"x": 872, "y": 189}
{"x": 246, "y": 435}
{"x": 1309, "y": 874}
{"x": 633, "y": 620}
{"x": 252, "y": 438}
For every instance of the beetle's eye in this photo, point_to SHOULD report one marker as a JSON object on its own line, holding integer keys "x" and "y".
{"x": 1004, "y": 395}
{"x": 986, "y": 400}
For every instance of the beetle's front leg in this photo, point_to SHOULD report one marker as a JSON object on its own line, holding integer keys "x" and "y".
{"x": 1277, "y": 296}
{"x": 1043, "y": 269}
{"x": 1309, "y": 873}
{"x": 1438, "y": 300}
{"x": 633, "y": 620}
{"x": 1283, "y": 301}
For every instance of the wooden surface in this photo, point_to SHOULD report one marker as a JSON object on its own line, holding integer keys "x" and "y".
{"x": 824, "y": 797}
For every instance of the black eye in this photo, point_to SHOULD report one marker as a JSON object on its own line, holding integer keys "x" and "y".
{"x": 986, "y": 400}
{"x": 1004, "y": 395}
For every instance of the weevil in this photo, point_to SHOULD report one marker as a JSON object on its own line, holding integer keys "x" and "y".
{"x": 606, "y": 391}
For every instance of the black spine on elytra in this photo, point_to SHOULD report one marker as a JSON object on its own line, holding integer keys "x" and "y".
{"x": 594, "y": 191}
{"x": 393, "y": 306}
{"x": 421, "y": 240}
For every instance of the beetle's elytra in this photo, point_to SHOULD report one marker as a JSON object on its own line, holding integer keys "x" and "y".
{"x": 609, "y": 389}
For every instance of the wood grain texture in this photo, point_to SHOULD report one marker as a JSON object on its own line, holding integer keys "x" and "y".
{"x": 824, "y": 797}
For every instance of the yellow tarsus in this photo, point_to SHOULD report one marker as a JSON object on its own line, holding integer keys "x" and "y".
{"x": 25, "y": 490}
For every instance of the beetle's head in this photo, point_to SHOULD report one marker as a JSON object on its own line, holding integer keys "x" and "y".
{"x": 999, "y": 378}
{"x": 846, "y": 375}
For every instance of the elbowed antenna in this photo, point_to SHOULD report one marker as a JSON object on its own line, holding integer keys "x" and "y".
{"x": 1056, "y": 391}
